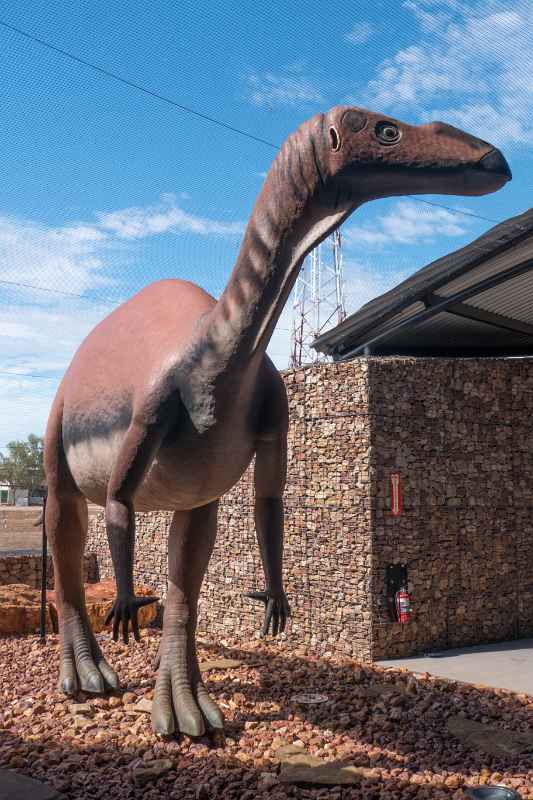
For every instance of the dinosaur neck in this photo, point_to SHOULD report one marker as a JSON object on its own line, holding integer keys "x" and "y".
{"x": 290, "y": 217}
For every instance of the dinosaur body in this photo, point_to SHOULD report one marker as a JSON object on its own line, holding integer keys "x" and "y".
{"x": 190, "y": 468}
{"x": 169, "y": 398}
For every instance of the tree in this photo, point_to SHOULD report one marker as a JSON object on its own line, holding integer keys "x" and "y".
{"x": 22, "y": 467}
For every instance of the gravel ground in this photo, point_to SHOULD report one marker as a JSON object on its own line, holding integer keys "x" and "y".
{"x": 387, "y": 722}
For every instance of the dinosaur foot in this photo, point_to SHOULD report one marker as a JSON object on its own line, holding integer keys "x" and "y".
{"x": 82, "y": 665}
{"x": 183, "y": 706}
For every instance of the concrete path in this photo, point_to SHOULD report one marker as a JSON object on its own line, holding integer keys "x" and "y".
{"x": 505, "y": 665}
{"x": 14, "y": 786}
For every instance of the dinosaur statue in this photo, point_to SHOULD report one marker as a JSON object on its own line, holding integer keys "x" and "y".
{"x": 168, "y": 399}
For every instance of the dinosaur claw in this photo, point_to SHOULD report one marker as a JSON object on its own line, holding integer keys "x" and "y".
{"x": 109, "y": 675}
{"x": 263, "y": 596}
{"x": 68, "y": 686}
{"x": 139, "y": 602}
{"x": 93, "y": 683}
{"x": 163, "y": 724}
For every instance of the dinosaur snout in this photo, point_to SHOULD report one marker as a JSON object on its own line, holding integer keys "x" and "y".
{"x": 495, "y": 163}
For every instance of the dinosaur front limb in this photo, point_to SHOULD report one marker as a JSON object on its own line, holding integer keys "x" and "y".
{"x": 269, "y": 530}
{"x": 125, "y": 610}
{"x": 181, "y": 701}
{"x": 270, "y": 475}
{"x": 136, "y": 454}
{"x": 120, "y": 525}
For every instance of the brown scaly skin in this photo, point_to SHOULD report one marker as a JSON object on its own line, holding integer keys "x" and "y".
{"x": 169, "y": 398}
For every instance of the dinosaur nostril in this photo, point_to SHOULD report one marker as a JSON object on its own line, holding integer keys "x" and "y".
{"x": 334, "y": 139}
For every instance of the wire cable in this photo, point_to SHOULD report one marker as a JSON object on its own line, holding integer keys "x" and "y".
{"x": 56, "y": 291}
{"x": 133, "y": 85}
{"x": 28, "y": 375}
{"x": 186, "y": 109}
{"x": 453, "y": 210}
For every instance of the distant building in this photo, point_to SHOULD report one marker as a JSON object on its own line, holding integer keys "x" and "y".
{"x": 20, "y": 497}
{"x": 6, "y": 495}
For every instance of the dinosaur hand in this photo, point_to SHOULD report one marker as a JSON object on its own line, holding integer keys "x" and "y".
{"x": 277, "y": 610}
{"x": 125, "y": 610}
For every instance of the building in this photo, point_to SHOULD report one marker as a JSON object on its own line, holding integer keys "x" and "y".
{"x": 477, "y": 301}
{"x": 20, "y": 497}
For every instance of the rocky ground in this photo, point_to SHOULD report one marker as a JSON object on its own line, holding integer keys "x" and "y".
{"x": 392, "y": 728}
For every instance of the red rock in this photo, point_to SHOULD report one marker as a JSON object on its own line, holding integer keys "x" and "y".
{"x": 99, "y": 598}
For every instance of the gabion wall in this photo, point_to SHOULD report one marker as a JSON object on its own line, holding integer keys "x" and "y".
{"x": 457, "y": 432}
{"x": 27, "y": 568}
{"x": 327, "y": 524}
{"x": 460, "y": 433}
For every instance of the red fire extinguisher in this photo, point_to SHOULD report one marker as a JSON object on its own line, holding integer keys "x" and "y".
{"x": 402, "y": 603}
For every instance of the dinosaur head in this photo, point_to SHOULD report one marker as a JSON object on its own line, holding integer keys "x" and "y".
{"x": 365, "y": 155}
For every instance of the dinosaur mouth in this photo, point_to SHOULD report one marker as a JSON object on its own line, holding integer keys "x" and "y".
{"x": 495, "y": 164}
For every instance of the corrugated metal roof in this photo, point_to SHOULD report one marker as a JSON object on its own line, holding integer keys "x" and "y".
{"x": 477, "y": 299}
{"x": 513, "y": 299}
{"x": 445, "y": 335}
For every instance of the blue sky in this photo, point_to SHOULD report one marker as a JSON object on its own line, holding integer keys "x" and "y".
{"x": 105, "y": 189}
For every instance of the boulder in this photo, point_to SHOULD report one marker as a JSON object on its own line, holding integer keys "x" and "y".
{"x": 490, "y": 738}
{"x": 151, "y": 771}
{"x": 20, "y": 610}
{"x": 20, "y": 607}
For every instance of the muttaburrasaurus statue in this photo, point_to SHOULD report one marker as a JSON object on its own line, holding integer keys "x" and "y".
{"x": 169, "y": 398}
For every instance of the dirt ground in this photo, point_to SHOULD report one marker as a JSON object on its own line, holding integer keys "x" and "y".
{"x": 388, "y": 723}
{"x": 17, "y": 531}
{"x": 20, "y": 540}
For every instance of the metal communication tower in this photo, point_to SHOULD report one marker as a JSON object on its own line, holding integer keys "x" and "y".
{"x": 318, "y": 300}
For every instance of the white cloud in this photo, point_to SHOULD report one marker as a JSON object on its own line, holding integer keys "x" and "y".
{"x": 364, "y": 235}
{"x": 468, "y": 69}
{"x": 40, "y": 330}
{"x": 407, "y": 223}
{"x": 37, "y": 340}
{"x": 364, "y": 281}
{"x": 36, "y": 254}
{"x": 74, "y": 258}
{"x": 289, "y": 88}
{"x": 359, "y": 34}
{"x": 167, "y": 216}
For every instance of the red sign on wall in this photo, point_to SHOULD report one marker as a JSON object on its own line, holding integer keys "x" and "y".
{"x": 395, "y": 494}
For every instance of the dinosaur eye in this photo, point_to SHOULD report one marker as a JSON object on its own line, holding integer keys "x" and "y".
{"x": 388, "y": 133}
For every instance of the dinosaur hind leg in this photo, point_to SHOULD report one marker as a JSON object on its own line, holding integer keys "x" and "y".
{"x": 180, "y": 695}
{"x": 82, "y": 664}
